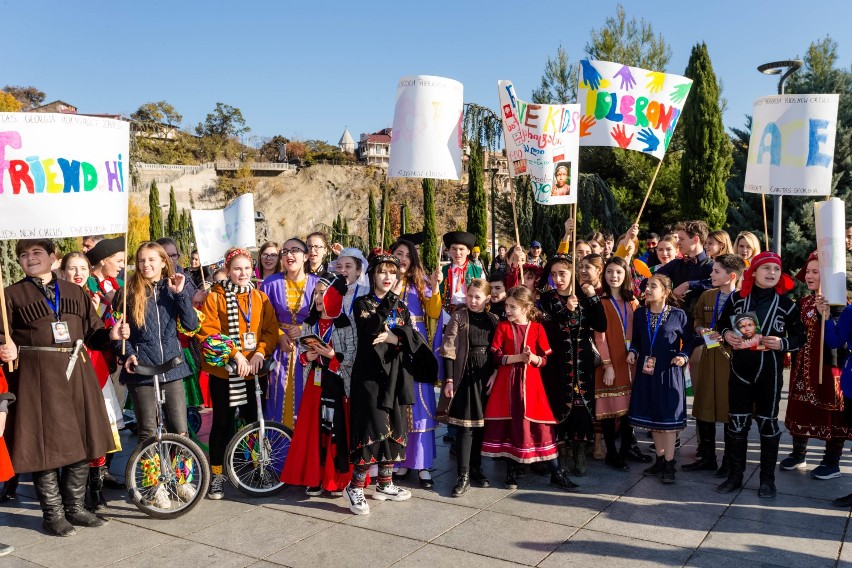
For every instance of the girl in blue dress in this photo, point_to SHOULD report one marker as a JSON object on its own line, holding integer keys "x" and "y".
{"x": 658, "y": 400}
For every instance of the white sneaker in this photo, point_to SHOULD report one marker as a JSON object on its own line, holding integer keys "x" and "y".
{"x": 161, "y": 500}
{"x": 357, "y": 501}
{"x": 217, "y": 487}
{"x": 185, "y": 492}
{"x": 391, "y": 492}
{"x": 313, "y": 491}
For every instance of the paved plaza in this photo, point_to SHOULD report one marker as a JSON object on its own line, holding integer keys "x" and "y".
{"x": 619, "y": 519}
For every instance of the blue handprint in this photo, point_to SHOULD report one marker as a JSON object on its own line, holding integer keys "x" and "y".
{"x": 627, "y": 80}
{"x": 591, "y": 76}
{"x": 646, "y": 136}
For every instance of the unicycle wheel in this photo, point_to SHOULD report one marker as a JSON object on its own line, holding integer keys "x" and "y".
{"x": 255, "y": 470}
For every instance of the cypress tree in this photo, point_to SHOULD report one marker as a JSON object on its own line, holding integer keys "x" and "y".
{"x": 706, "y": 161}
{"x": 172, "y": 221}
{"x": 372, "y": 222}
{"x": 345, "y": 238}
{"x": 387, "y": 239}
{"x": 429, "y": 248}
{"x": 12, "y": 271}
{"x": 477, "y": 200}
{"x": 155, "y": 224}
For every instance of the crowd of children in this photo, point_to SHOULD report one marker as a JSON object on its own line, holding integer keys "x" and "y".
{"x": 536, "y": 359}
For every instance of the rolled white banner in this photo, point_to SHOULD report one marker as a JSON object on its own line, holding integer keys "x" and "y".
{"x": 830, "y": 218}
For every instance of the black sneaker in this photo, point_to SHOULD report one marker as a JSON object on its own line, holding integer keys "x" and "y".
{"x": 560, "y": 479}
{"x": 657, "y": 468}
{"x": 511, "y": 479}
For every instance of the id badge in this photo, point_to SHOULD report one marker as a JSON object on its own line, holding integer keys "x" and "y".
{"x": 317, "y": 377}
{"x": 627, "y": 344}
{"x": 61, "y": 334}
{"x": 708, "y": 341}
{"x": 648, "y": 365}
{"x": 249, "y": 341}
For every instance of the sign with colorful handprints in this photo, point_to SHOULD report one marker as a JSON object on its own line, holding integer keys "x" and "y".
{"x": 628, "y": 107}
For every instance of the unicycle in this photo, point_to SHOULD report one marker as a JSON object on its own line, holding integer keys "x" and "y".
{"x": 167, "y": 475}
{"x": 255, "y": 456}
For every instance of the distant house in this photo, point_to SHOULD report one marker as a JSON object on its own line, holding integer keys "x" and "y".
{"x": 157, "y": 130}
{"x": 346, "y": 143}
{"x": 56, "y": 106}
{"x": 374, "y": 149}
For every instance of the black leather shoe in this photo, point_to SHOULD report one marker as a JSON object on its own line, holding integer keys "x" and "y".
{"x": 478, "y": 479}
{"x": 733, "y": 483}
{"x": 706, "y": 463}
{"x": 462, "y": 485}
{"x": 657, "y": 468}
{"x": 615, "y": 462}
{"x": 767, "y": 490}
{"x": 724, "y": 469}
{"x": 426, "y": 483}
{"x": 843, "y": 501}
{"x": 560, "y": 479}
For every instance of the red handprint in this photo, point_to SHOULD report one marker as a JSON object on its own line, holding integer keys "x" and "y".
{"x": 619, "y": 135}
{"x": 586, "y": 124}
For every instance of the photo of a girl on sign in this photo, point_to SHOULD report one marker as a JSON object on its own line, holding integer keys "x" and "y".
{"x": 562, "y": 177}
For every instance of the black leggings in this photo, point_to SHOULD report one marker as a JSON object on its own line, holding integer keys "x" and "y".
{"x": 608, "y": 427}
{"x": 222, "y": 427}
{"x": 468, "y": 448}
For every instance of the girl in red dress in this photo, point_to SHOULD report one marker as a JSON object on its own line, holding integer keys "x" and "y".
{"x": 319, "y": 454}
{"x": 518, "y": 419}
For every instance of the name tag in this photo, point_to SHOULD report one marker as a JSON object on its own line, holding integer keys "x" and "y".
{"x": 648, "y": 365}
{"x": 249, "y": 341}
{"x": 61, "y": 333}
{"x": 318, "y": 377}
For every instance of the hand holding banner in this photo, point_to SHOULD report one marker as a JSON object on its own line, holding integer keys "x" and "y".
{"x": 426, "y": 141}
{"x": 217, "y": 230}
{"x": 628, "y": 107}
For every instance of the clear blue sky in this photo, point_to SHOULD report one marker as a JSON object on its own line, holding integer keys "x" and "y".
{"x": 307, "y": 69}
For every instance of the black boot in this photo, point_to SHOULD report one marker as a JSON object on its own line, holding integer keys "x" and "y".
{"x": 511, "y": 475}
{"x": 658, "y": 466}
{"x": 73, "y": 490}
{"x": 725, "y": 468}
{"x": 613, "y": 458}
{"x": 736, "y": 448}
{"x": 707, "y": 461}
{"x": 9, "y": 491}
{"x": 559, "y": 478}
{"x": 669, "y": 472}
{"x": 768, "y": 461}
{"x": 95, "y": 500}
{"x": 109, "y": 481}
{"x": 478, "y": 478}
{"x": 46, "y": 485}
{"x": 462, "y": 483}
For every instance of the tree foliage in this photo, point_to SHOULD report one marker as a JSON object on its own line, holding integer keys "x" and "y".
{"x": 29, "y": 96}
{"x": 173, "y": 219}
{"x": 155, "y": 214}
{"x": 155, "y": 114}
{"x": 559, "y": 81}
{"x": 372, "y": 222}
{"x": 629, "y": 42}
{"x": 225, "y": 121}
{"x": 8, "y": 103}
{"x": 483, "y": 133}
{"x": 139, "y": 226}
{"x": 229, "y": 185}
{"x": 429, "y": 248}
{"x": 706, "y": 160}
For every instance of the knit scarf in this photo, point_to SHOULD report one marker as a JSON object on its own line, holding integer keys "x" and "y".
{"x": 237, "y": 385}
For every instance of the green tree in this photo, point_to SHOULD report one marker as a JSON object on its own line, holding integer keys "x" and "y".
{"x": 28, "y": 96}
{"x": 172, "y": 221}
{"x": 269, "y": 151}
{"x": 224, "y": 122}
{"x": 559, "y": 81}
{"x": 387, "y": 239}
{"x": 629, "y": 42}
{"x": 706, "y": 160}
{"x": 429, "y": 248}
{"x": 154, "y": 114}
{"x": 155, "y": 223}
{"x": 407, "y": 227}
{"x": 477, "y": 205}
{"x": 9, "y": 264}
{"x": 372, "y": 222}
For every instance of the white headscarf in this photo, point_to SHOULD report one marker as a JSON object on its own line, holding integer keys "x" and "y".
{"x": 353, "y": 252}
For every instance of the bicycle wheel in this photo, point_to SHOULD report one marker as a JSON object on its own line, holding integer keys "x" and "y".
{"x": 168, "y": 479}
{"x": 256, "y": 470}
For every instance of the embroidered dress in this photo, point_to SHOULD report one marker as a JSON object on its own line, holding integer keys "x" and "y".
{"x": 614, "y": 400}
{"x": 292, "y": 301}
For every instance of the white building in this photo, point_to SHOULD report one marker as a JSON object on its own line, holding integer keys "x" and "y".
{"x": 346, "y": 143}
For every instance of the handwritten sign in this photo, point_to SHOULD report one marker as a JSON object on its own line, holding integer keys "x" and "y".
{"x": 830, "y": 217}
{"x": 628, "y": 107}
{"x": 62, "y": 175}
{"x": 426, "y": 141}
{"x": 512, "y": 133}
{"x": 217, "y": 230}
{"x": 791, "y": 150}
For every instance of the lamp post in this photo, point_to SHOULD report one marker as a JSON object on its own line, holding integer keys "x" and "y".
{"x": 778, "y": 68}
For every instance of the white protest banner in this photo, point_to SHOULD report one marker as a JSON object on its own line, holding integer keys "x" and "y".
{"x": 552, "y": 150}
{"x": 512, "y": 133}
{"x": 830, "y": 217}
{"x": 628, "y": 107}
{"x": 217, "y": 230}
{"x": 791, "y": 150}
{"x": 62, "y": 175}
{"x": 426, "y": 141}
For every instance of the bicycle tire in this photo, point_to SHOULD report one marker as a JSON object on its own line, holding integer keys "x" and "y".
{"x": 244, "y": 473}
{"x": 195, "y": 468}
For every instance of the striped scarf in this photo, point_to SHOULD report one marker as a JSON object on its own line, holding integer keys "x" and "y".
{"x": 237, "y": 385}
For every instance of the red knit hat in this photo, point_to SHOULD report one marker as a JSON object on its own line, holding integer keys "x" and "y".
{"x": 785, "y": 283}
{"x": 800, "y": 275}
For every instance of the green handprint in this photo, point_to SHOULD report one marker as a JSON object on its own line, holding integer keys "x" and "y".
{"x": 679, "y": 93}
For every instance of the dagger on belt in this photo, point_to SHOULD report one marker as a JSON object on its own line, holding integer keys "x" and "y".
{"x": 78, "y": 346}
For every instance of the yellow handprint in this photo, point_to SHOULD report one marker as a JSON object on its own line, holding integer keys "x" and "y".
{"x": 655, "y": 85}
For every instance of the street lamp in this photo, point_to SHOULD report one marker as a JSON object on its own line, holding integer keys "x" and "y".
{"x": 778, "y": 68}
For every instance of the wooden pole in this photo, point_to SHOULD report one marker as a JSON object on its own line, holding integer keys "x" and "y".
{"x": 7, "y": 331}
{"x": 648, "y": 193}
{"x": 124, "y": 292}
{"x": 573, "y": 248}
{"x": 822, "y": 323}
{"x": 765, "y": 223}
{"x": 515, "y": 221}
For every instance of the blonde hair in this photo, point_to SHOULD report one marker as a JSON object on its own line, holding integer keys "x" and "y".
{"x": 752, "y": 241}
{"x": 482, "y": 284}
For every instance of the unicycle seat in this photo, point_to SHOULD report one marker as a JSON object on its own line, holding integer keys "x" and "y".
{"x": 151, "y": 370}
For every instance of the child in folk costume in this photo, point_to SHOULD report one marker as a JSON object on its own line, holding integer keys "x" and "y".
{"x": 6, "y": 471}
{"x": 519, "y": 422}
{"x": 658, "y": 399}
{"x": 239, "y": 325}
{"x": 756, "y": 382}
{"x": 290, "y": 293}
{"x": 319, "y": 454}
{"x": 459, "y": 273}
{"x": 838, "y": 335}
{"x": 711, "y": 385}
{"x": 352, "y": 265}
{"x": 391, "y": 355}
{"x": 468, "y": 367}
{"x": 614, "y": 378}
{"x": 570, "y": 374}
{"x": 423, "y": 300}
{"x": 815, "y": 404}
{"x": 60, "y": 420}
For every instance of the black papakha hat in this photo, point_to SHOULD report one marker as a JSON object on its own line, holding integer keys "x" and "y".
{"x": 459, "y": 238}
{"x": 105, "y": 249}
